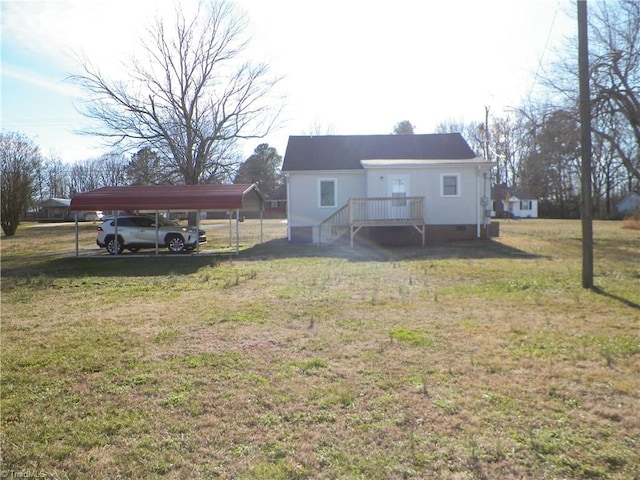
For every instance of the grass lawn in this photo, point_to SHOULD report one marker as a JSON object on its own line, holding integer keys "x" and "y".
{"x": 470, "y": 360}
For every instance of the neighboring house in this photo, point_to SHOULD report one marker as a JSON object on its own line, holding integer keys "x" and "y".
{"x": 398, "y": 189}
{"x": 275, "y": 208}
{"x": 59, "y": 210}
{"x": 630, "y": 203}
{"x": 514, "y": 202}
{"x": 54, "y": 210}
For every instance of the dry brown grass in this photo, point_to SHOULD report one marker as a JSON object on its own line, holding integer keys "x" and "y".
{"x": 632, "y": 222}
{"x": 463, "y": 361}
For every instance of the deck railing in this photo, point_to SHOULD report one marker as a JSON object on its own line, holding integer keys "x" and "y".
{"x": 371, "y": 212}
{"x": 386, "y": 211}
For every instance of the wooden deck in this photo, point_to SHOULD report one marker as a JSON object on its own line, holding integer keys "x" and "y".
{"x": 373, "y": 212}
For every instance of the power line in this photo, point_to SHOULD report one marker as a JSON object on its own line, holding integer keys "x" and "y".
{"x": 545, "y": 48}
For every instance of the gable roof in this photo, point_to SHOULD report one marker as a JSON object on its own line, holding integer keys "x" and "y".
{"x": 55, "y": 202}
{"x": 502, "y": 190}
{"x": 521, "y": 194}
{"x": 344, "y": 152}
{"x": 170, "y": 197}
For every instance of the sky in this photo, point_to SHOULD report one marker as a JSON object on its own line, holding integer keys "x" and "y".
{"x": 347, "y": 66}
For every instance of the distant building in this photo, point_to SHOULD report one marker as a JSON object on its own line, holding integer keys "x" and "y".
{"x": 630, "y": 203}
{"x": 59, "y": 210}
{"x": 54, "y": 210}
{"x": 514, "y": 202}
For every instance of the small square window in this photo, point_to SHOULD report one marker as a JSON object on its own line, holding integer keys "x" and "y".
{"x": 450, "y": 185}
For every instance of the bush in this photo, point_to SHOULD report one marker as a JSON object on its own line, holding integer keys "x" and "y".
{"x": 632, "y": 220}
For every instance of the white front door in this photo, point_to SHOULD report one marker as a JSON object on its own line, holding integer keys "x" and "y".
{"x": 399, "y": 191}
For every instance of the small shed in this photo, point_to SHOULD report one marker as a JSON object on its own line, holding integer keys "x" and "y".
{"x": 183, "y": 198}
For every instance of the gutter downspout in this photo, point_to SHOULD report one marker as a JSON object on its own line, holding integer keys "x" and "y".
{"x": 478, "y": 204}
{"x": 486, "y": 205}
{"x": 77, "y": 233}
{"x": 237, "y": 231}
{"x": 198, "y": 232}
{"x": 117, "y": 242}
{"x": 288, "y": 207}
{"x": 157, "y": 233}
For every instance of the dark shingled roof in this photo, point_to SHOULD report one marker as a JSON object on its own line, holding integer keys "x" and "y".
{"x": 166, "y": 197}
{"x": 344, "y": 152}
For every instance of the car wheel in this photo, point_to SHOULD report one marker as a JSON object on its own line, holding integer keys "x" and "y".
{"x": 175, "y": 244}
{"x": 112, "y": 245}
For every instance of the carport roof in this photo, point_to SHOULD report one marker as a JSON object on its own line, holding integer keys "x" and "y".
{"x": 170, "y": 197}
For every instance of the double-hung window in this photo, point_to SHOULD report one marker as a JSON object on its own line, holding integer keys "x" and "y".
{"x": 450, "y": 185}
{"x": 327, "y": 192}
{"x": 398, "y": 187}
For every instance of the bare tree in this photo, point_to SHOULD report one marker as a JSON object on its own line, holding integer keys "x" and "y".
{"x": 615, "y": 78}
{"x": 20, "y": 163}
{"x": 551, "y": 167}
{"x": 506, "y": 147}
{"x": 317, "y": 128}
{"x": 85, "y": 176}
{"x": 614, "y": 58}
{"x": 112, "y": 171}
{"x": 55, "y": 175}
{"x": 473, "y": 133}
{"x": 190, "y": 95}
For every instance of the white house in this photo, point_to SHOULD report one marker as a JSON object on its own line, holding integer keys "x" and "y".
{"x": 521, "y": 204}
{"x": 514, "y": 202}
{"x": 400, "y": 189}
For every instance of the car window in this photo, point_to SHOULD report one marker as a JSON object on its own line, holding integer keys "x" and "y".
{"x": 124, "y": 222}
{"x": 144, "y": 222}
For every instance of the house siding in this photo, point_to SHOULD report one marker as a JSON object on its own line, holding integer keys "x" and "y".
{"x": 439, "y": 210}
{"x": 303, "y": 192}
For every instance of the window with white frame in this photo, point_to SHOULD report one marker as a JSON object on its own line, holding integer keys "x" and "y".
{"x": 526, "y": 205}
{"x": 327, "y": 192}
{"x": 450, "y": 185}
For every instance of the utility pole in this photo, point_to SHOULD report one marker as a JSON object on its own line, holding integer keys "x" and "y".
{"x": 585, "y": 135}
{"x": 487, "y": 152}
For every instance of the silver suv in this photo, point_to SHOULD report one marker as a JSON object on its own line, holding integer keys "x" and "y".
{"x": 136, "y": 232}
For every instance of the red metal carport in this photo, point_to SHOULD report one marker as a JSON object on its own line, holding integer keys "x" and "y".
{"x": 183, "y": 198}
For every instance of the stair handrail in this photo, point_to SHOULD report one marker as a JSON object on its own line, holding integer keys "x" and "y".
{"x": 335, "y": 225}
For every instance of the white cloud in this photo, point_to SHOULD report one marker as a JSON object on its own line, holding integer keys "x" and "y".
{"x": 62, "y": 87}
